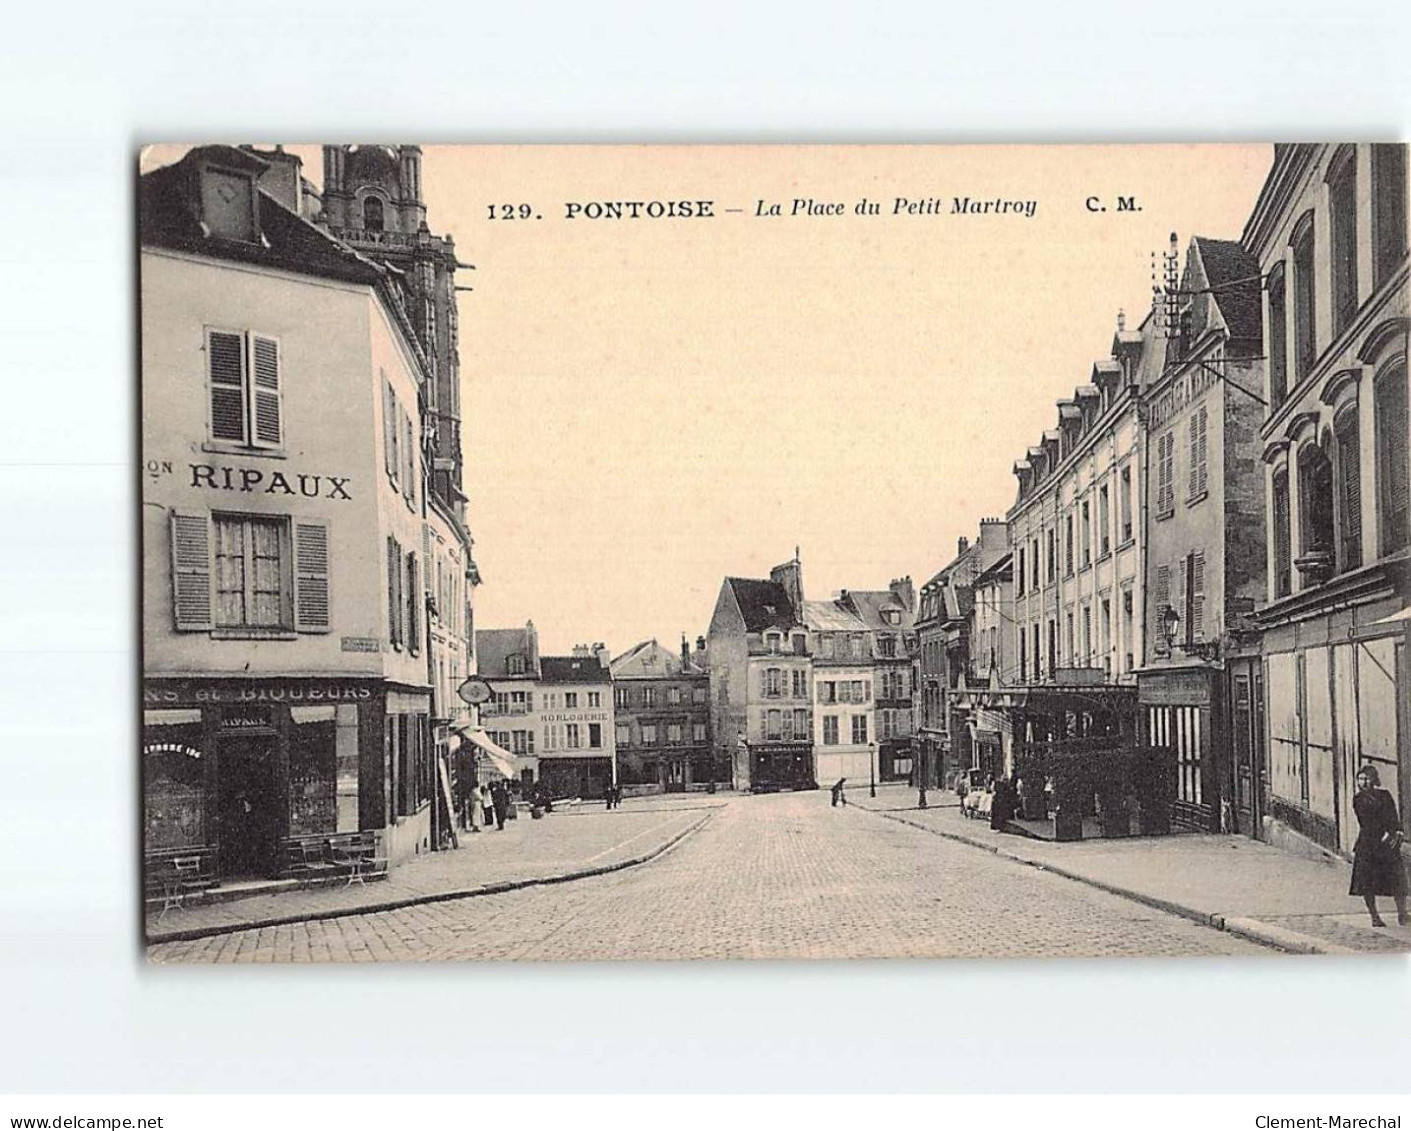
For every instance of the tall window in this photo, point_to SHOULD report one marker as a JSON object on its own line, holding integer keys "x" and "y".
{"x": 1315, "y": 500}
{"x": 250, "y": 569}
{"x": 1087, "y": 635}
{"x": 1104, "y": 520}
{"x": 243, "y": 383}
{"x": 1388, "y": 210}
{"x": 1305, "y": 305}
{"x": 1038, "y": 662}
{"x": 396, "y": 628}
{"x": 1087, "y": 534}
{"x": 1034, "y": 564}
{"x": 1342, "y": 209}
{"x": 1283, "y": 578}
{"x": 1068, "y": 544}
{"x": 414, "y": 600}
{"x": 1199, "y": 472}
{"x": 1020, "y": 575}
{"x": 1127, "y": 632}
{"x": 1349, "y": 489}
{"x": 1052, "y": 556}
{"x": 1394, "y": 491}
{"x": 774, "y": 683}
{"x": 1125, "y": 503}
{"x": 372, "y": 214}
{"x": 830, "y": 730}
{"x": 1278, "y": 338}
{"x": 859, "y": 729}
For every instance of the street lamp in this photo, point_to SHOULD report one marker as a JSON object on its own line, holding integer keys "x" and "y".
{"x": 871, "y": 769}
{"x": 922, "y": 767}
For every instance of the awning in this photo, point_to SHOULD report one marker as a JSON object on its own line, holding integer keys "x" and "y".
{"x": 499, "y": 757}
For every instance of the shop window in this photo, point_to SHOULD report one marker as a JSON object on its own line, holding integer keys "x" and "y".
{"x": 1278, "y": 338}
{"x": 173, "y": 780}
{"x": 1349, "y": 489}
{"x": 243, "y": 383}
{"x": 1342, "y": 223}
{"x": 313, "y": 771}
{"x": 1394, "y": 491}
{"x": 1388, "y": 210}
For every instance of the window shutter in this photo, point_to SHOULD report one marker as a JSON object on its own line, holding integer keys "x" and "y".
{"x": 414, "y": 600}
{"x": 1391, "y": 430}
{"x": 268, "y": 395}
{"x": 191, "y": 570}
{"x": 1163, "y": 587}
{"x": 427, "y": 566}
{"x": 1204, "y": 463}
{"x": 225, "y": 367}
{"x": 1198, "y": 595}
{"x": 394, "y": 456}
{"x": 311, "y": 598}
{"x": 1183, "y": 594}
{"x": 394, "y": 608}
{"x": 409, "y": 483}
{"x": 387, "y": 444}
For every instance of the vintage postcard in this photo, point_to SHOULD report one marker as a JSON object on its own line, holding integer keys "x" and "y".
{"x": 701, "y": 552}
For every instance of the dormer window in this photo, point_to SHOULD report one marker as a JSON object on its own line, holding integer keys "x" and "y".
{"x": 515, "y": 665}
{"x": 800, "y": 643}
{"x": 772, "y": 641}
{"x": 228, "y": 204}
{"x": 893, "y": 617}
{"x": 372, "y": 214}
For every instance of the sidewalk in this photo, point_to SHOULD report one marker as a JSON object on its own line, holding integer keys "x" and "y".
{"x": 569, "y": 843}
{"x": 1229, "y": 882}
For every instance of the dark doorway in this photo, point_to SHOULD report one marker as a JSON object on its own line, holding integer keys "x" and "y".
{"x": 248, "y": 806}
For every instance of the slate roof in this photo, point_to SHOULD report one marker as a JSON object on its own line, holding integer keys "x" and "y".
{"x": 870, "y": 603}
{"x": 999, "y": 570}
{"x": 829, "y": 616}
{"x": 572, "y": 669}
{"x": 763, "y": 604}
{"x": 169, "y": 217}
{"x": 1227, "y": 262}
{"x": 494, "y": 646}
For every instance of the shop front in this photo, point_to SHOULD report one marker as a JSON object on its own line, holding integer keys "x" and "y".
{"x": 575, "y": 777}
{"x": 1183, "y": 710}
{"x": 234, "y": 771}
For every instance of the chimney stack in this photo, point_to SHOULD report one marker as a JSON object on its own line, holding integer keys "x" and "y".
{"x": 685, "y": 649}
{"x": 961, "y": 545}
{"x": 790, "y": 576}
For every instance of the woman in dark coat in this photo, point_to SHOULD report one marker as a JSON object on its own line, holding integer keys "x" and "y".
{"x": 1376, "y": 857}
{"x": 1003, "y": 803}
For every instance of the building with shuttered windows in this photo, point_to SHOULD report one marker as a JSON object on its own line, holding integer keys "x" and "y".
{"x": 287, "y": 682}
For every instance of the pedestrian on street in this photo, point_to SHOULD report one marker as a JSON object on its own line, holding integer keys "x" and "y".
{"x": 838, "y": 797}
{"x": 1002, "y": 805}
{"x": 1376, "y": 857}
{"x": 608, "y": 796}
{"x": 500, "y": 798}
{"x": 487, "y": 806}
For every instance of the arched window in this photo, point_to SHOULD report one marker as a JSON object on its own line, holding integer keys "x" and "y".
{"x": 1278, "y": 339}
{"x": 1342, "y": 248}
{"x": 1305, "y": 303}
{"x": 372, "y": 214}
{"x": 1349, "y": 488}
{"x": 1393, "y": 476}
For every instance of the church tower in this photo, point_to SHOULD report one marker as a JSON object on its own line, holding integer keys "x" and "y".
{"x": 372, "y": 201}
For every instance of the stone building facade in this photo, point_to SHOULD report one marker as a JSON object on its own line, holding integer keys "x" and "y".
{"x": 760, "y": 681}
{"x": 661, "y": 703}
{"x": 1329, "y": 232}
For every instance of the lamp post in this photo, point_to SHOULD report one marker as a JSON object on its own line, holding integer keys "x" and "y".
{"x": 871, "y": 769}
{"x": 922, "y": 768}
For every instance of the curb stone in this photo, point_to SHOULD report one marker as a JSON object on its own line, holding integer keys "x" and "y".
{"x": 499, "y": 887}
{"x": 1265, "y": 934}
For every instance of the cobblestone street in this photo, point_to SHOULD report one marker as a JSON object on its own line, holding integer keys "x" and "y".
{"x": 782, "y": 876}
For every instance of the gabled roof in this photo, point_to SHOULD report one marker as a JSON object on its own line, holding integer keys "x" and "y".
{"x": 1232, "y": 274}
{"x": 649, "y": 660}
{"x": 572, "y": 669}
{"x": 763, "y": 604}
{"x": 494, "y": 647}
{"x": 999, "y": 570}
{"x": 169, "y": 217}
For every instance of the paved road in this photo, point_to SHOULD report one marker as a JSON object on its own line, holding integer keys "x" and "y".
{"x": 784, "y": 876}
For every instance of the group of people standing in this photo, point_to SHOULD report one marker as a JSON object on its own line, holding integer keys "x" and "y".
{"x": 490, "y": 804}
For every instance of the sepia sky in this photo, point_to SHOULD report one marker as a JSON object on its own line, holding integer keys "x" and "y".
{"x": 652, "y": 405}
